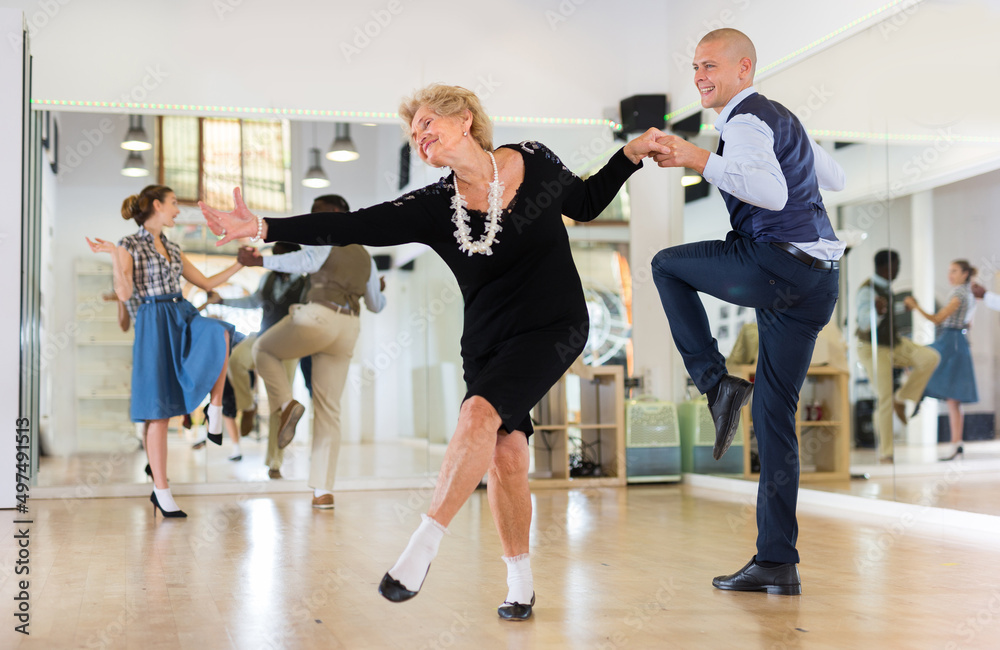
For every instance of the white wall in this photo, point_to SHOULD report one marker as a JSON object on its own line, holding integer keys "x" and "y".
{"x": 777, "y": 28}
{"x": 531, "y": 58}
{"x": 565, "y": 58}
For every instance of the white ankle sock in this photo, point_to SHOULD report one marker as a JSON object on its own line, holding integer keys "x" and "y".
{"x": 214, "y": 419}
{"x": 318, "y": 493}
{"x": 411, "y": 567}
{"x": 166, "y": 500}
{"x": 520, "y": 585}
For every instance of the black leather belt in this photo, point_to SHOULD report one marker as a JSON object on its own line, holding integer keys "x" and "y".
{"x": 802, "y": 256}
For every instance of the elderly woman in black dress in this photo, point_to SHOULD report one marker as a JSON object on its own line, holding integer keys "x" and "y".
{"x": 496, "y": 221}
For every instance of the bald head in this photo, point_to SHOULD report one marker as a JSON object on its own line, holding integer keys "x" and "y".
{"x": 724, "y": 65}
{"x": 737, "y": 44}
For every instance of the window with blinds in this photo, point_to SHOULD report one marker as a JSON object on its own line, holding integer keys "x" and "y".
{"x": 203, "y": 159}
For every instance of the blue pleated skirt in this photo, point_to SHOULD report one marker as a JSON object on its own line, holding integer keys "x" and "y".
{"x": 176, "y": 358}
{"x": 954, "y": 377}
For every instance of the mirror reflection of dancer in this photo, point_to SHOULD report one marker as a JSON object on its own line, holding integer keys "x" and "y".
{"x": 178, "y": 356}
{"x": 954, "y": 380}
{"x": 496, "y": 221}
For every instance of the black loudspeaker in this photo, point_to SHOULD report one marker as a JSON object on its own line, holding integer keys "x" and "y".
{"x": 382, "y": 262}
{"x": 641, "y": 112}
{"x": 864, "y": 424}
{"x": 404, "y": 165}
{"x": 689, "y": 127}
{"x": 697, "y": 191}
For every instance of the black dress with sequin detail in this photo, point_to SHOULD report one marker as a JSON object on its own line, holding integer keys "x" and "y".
{"x": 525, "y": 316}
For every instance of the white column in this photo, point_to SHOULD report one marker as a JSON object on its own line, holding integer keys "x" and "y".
{"x": 11, "y": 181}
{"x": 922, "y": 430}
{"x": 657, "y": 207}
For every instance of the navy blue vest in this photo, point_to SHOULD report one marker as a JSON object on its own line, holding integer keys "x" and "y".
{"x": 804, "y": 218}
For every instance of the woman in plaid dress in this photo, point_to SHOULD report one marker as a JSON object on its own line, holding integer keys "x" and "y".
{"x": 178, "y": 356}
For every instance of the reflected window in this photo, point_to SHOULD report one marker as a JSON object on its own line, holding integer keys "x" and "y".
{"x": 203, "y": 159}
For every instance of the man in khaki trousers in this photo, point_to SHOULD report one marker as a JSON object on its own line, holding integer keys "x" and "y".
{"x": 325, "y": 327}
{"x": 877, "y": 325}
{"x": 276, "y": 294}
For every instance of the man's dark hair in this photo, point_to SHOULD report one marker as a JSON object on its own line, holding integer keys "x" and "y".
{"x": 883, "y": 256}
{"x": 282, "y": 247}
{"x": 334, "y": 201}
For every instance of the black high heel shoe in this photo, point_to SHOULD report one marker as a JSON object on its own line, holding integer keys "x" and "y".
{"x": 516, "y": 611}
{"x": 215, "y": 438}
{"x": 149, "y": 471}
{"x": 165, "y": 513}
{"x": 392, "y": 589}
{"x": 958, "y": 452}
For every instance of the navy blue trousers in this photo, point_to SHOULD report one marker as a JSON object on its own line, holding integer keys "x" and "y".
{"x": 793, "y": 302}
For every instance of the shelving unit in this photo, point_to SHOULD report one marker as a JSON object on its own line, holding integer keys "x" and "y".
{"x": 584, "y": 413}
{"x": 103, "y": 364}
{"x": 824, "y": 444}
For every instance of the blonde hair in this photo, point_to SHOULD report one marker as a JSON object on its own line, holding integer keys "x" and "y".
{"x": 140, "y": 206}
{"x": 449, "y": 101}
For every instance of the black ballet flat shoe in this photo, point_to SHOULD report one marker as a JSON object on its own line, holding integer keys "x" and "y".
{"x": 782, "y": 580}
{"x": 215, "y": 438}
{"x": 392, "y": 589}
{"x": 165, "y": 513}
{"x": 516, "y": 611}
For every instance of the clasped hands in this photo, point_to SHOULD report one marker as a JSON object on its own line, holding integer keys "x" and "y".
{"x": 667, "y": 151}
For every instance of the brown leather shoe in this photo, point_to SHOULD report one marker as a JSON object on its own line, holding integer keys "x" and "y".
{"x": 247, "y": 421}
{"x": 274, "y": 473}
{"x": 289, "y": 418}
{"x": 325, "y": 502}
{"x": 900, "y": 409}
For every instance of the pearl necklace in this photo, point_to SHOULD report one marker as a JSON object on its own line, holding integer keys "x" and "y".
{"x": 461, "y": 218}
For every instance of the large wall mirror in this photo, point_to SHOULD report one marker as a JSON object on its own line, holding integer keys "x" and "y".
{"x": 405, "y": 384}
{"x": 922, "y": 167}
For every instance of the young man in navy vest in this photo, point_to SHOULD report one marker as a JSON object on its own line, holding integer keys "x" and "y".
{"x": 780, "y": 258}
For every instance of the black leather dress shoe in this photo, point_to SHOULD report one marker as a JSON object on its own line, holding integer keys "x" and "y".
{"x": 782, "y": 580}
{"x": 392, "y": 589}
{"x": 516, "y": 611}
{"x": 734, "y": 393}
